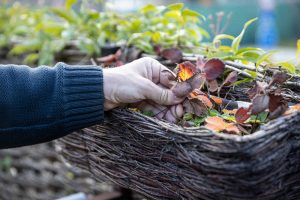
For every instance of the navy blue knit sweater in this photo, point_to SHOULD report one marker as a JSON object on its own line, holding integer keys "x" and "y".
{"x": 45, "y": 103}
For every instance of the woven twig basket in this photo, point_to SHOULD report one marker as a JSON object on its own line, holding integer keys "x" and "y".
{"x": 37, "y": 173}
{"x": 165, "y": 161}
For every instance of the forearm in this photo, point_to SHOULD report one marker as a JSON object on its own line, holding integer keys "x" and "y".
{"x": 41, "y": 104}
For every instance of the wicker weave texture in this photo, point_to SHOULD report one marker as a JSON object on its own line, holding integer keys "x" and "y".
{"x": 37, "y": 173}
{"x": 164, "y": 161}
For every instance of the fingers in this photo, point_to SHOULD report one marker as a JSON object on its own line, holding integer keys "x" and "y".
{"x": 160, "y": 95}
{"x": 158, "y": 73}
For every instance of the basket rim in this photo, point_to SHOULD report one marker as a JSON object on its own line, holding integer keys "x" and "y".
{"x": 236, "y": 138}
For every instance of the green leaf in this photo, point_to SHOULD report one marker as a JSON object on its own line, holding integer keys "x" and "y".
{"x": 203, "y": 32}
{"x": 31, "y": 58}
{"x": 263, "y": 57}
{"x": 69, "y": 4}
{"x": 262, "y": 117}
{"x": 199, "y": 120}
{"x": 148, "y": 113}
{"x": 236, "y": 42}
{"x": 245, "y": 80}
{"x": 156, "y": 37}
{"x": 213, "y": 112}
{"x": 288, "y": 66}
{"x": 148, "y": 9}
{"x": 222, "y": 37}
{"x": 68, "y": 15}
{"x": 252, "y": 73}
{"x": 191, "y": 13}
{"x": 188, "y": 116}
{"x": 174, "y": 14}
{"x": 28, "y": 46}
{"x": 175, "y": 6}
{"x": 249, "y": 49}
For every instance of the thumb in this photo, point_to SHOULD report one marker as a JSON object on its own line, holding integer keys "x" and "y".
{"x": 160, "y": 95}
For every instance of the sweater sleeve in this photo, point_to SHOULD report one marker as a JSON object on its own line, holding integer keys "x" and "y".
{"x": 41, "y": 104}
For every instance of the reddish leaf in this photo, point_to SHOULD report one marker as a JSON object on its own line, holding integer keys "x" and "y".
{"x": 107, "y": 59}
{"x": 195, "y": 106}
{"x": 242, "y": 114}
{"x": 198, "y": 92}
{"x": 279, "y": 78}
{"x": 275, "y": 101}
{"x": 203, "y": 98}
{"x": 157, "y": 49}
{"x": 172, "y": 54}
{"x": 182, "y": 89}
{"x": 213, "y": 85}
{"x": 230, "y": 79}
{"x": 259, "y": 88}
{"x": 280, "y": 110}
{"x": 213, "y": 68}
{"x": 186, "y": 70}
{"x": 218, "y": 124}
{"x": 260, "y": 103}
{"x": 217, "y": 100}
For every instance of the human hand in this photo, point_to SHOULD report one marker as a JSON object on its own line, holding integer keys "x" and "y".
{"x": 143, "y": 79}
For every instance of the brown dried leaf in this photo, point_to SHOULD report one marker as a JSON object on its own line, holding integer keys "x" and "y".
{"x": 204, "y": 99}
{"x": 195, "y": 106}
{"x": 218, "y": 124}
{"x": 279, "y": 78}
{"x": 259, "y": 88}
{"x": 172, "y": 54}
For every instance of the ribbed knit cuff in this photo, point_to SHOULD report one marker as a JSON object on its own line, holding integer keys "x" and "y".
{"x": 82, "y": 95}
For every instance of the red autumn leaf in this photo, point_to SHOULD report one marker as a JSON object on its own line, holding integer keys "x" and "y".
{"x": 195, "y": 106}
{"x": 213, "y": 68}
{"x": 172, "y": 54}
{"x": 242, "y": 114}
{"x": 260, "y": 103}
{"x": 218, "y": 124}
{"x": 213, "y": 85}
{"x": 279, "y": 78}
{"x": 186, "y": 70}
{"x": 230, "y": 79}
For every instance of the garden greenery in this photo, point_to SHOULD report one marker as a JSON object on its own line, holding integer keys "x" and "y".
{"x": 42, "y": 33}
